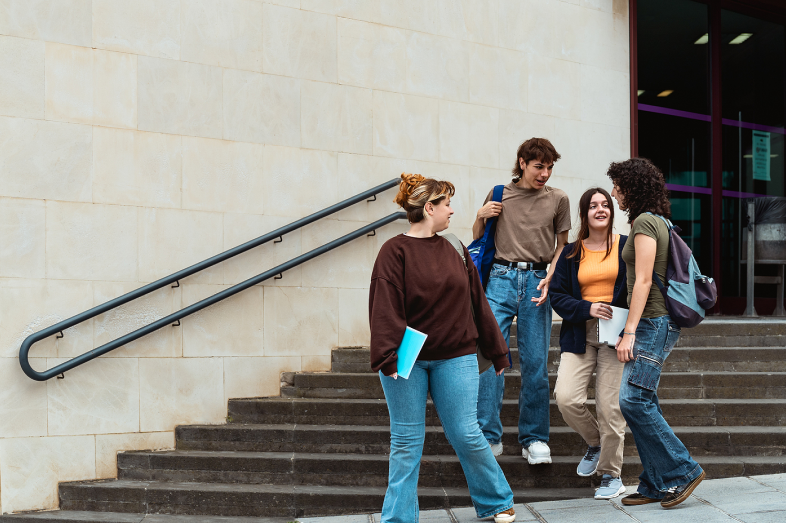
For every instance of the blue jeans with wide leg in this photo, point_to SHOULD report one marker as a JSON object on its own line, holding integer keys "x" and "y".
{"x": 510, "y": 292}
{"x": 453, "y": 385}
{"x": 666, "y": 461}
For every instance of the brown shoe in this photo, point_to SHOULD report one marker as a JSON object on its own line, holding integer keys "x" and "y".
{"x": 679, "y": 494}
{"x": 638, "y": 499}
{"x": 507, "y": 516}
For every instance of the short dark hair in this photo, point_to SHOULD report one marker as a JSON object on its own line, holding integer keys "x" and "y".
{"x": 534, "y": 149}
{"x": 642, "y": 187}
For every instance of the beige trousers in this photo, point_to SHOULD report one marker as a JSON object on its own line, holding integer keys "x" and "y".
{"x": 573, "y": 379}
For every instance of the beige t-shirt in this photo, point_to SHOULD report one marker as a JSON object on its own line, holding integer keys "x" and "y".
{"x": 655, "y": 228}
{"x": 529, "y": 222}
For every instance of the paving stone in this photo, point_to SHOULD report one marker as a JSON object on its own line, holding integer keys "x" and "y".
{"x": 567, "y": 504}
{"x": 774, "y": 516}
{"x": 467, "y": 514}
{"x": 603, "y": 511}
{"x": 777, "y": 481}
{"x": 690, "y": 510}
{"x": 720, "y": 490}
{"x": 750, "y": 502}
{"x": 435, "y": 516}
{"x": 76, "y": 516}
{"x": 362, "y": 518}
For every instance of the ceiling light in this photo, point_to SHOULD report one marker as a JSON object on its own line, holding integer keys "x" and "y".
{"x": 773, "y": 156}
{"x": 703, "y": 39}
{"x": 741, "y": 38}
{"x": 665, "y": 93}
{"x": 641, "y": 92}
{"x": 747, "y": 156}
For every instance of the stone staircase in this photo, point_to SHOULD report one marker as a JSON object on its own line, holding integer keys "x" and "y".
{"x": 321, "y": 448}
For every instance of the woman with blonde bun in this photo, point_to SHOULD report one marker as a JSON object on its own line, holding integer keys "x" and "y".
{"x": 420, "y": 281}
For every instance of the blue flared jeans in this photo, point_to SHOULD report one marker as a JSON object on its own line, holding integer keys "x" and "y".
{"x": 510, "y": 292}
{"x": 666, "y": 461}
{"x": 453, "y": 385}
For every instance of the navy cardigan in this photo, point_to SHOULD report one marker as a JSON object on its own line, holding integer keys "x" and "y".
{"x": 565, "y": 294}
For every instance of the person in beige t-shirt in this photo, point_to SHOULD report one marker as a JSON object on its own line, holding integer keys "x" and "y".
{"x": 532, "y": 227}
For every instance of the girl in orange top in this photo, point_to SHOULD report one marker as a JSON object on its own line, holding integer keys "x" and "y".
{"x": 588, "y": 277}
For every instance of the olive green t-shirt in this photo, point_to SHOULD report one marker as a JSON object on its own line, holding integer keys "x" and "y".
{"x": 655, "y": 228}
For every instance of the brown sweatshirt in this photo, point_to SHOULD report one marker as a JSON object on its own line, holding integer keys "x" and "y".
{"x": 422, "y": 283}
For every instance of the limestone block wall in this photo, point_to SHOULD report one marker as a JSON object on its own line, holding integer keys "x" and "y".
{"x": 138, "y": 137}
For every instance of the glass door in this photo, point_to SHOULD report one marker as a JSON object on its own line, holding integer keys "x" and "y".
{"x": 674, "y": 111}
{"x": 753, "y": 55}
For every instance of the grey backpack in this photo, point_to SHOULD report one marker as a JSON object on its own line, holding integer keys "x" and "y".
{"x": 687, "y": 291}
{"x": 483, "y": 362}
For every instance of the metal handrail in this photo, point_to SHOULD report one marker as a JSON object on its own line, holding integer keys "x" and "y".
{"x": 163, "y": 282}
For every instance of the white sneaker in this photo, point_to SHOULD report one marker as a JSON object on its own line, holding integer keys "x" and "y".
{"x": 496, "y": 448}
{"x": 537, "y": 453}
{"x": 505, "y": 517}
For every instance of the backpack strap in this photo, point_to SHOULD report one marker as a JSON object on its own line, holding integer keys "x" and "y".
{"x": 669, "y": 225}
{"x": 655, "y": 276}
{"x": 456, "y": 243}
{"x": 496, "y": 195}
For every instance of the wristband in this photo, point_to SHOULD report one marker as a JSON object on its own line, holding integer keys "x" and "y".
{"x": 629, "y": 333}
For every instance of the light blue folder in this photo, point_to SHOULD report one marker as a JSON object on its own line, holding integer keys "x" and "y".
{"x": 408, "y": 351}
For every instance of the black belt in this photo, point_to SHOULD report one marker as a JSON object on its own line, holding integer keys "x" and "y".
{"x": 525, "y": 266}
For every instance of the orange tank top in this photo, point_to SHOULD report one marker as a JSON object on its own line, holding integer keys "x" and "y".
{"x": 597, "y": 276}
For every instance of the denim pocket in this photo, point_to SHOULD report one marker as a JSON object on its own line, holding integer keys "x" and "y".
{"x": 540, "y": 274}
{"x": 646, "y": 371}
{"x": 499, "y": 270}
{"x": 672, "y": 336}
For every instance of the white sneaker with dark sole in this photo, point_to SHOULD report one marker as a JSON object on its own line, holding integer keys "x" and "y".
{"x": 537, "y": 453}
{"x": 496, "y": 449}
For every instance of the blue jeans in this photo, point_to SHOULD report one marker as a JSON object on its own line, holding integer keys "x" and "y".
{"x": 453, "y": 385}
{"x": 666, "y": 461}
{"x": 509, "y": 292}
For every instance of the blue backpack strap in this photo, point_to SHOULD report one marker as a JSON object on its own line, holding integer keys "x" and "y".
{"x": 496, "y": 196}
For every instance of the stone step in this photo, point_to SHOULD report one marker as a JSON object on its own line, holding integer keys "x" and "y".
{"x": 713, "y": 327}
{"x": 375, "y": 439}
{"x": 673, "y": 385}
{"x": 688, "y": 359}
{"x": 721, "y": 332}
{"x": 77, "y": 516}
{"x": 318, "y": 411}
{"x": 704, "y": 340}
{"x": 229, "y": 499}
{"x": 351, "y": 470}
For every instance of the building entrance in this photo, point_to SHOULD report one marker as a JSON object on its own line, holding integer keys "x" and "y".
{"x": 709, "y": 109}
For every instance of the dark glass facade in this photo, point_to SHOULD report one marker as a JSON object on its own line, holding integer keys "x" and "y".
{"x": 690, "y": 55}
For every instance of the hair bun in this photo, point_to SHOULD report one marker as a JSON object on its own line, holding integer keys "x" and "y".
{"x": 406, "y": 187}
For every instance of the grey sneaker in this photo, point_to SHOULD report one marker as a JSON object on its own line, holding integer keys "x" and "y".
{"x": 589, "y": 464}
{"x": 610, "y": 487}
{"x": 496, "y": 448}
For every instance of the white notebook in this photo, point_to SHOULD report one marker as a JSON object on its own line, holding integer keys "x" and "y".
{"x": 609, "y": 330}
